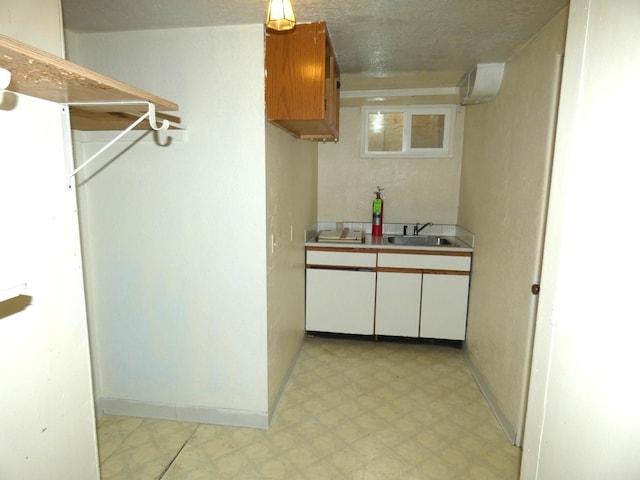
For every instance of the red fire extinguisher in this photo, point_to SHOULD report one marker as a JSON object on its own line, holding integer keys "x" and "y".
{"x": 378, "y": 207}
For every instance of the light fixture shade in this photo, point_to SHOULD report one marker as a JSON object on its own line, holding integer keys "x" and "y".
{"x": 280, "y": 15}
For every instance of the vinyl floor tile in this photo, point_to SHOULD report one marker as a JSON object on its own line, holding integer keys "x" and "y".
{"x": 351, "y": 410}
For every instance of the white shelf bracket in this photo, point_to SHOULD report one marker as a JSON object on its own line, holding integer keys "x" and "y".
{"x": 153, "y": 120}
{"x": 149, "y": 114}
{"x": 7, "y": 292}
{"x": 5, "y": 80}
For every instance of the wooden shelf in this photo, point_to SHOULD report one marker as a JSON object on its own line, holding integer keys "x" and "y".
{"x": 94, "y": 120}
{"x": 40, "y": 74}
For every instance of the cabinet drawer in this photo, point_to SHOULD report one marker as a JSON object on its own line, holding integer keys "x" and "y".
{"x": 425, "y": 262}
{"x": 341, "y": 259}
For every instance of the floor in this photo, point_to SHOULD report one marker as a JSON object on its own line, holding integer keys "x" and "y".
{"x": 351, "y": 410}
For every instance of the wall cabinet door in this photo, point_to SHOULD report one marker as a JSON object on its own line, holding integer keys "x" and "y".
{"x": 444, "y": 306}
{"x": 302, "y": 82}
{"x": 340, "y": 301}
{"x": 398, "y": 304}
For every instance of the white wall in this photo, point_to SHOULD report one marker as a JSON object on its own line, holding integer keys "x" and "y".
{"x": 583, "y": 420}
{"x": 175, "y": 236}
{"x": 504, "y": 187}
{"x": 46, "y": 406}
{"x": 416, "y": 189}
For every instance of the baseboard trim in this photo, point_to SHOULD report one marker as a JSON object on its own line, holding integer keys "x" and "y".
{"x": 506, "y": 426}
{"x": 183, "y": 413}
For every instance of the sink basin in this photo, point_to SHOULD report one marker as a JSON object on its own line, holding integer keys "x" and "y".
{"x": 419, "y": 241}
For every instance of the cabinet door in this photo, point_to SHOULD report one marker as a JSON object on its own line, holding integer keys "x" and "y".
{"x": 398, "y": 304}
{"x": 301, "y": 83}
{"x": 340, "y": 301}
{"x": 444, "y": 306}
{"x": 295, "y": 79}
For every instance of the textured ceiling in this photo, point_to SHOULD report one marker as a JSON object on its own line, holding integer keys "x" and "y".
{"x": 381, "y": 43}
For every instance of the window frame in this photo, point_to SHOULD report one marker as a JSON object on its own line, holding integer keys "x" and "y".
{"x": 447, "y": 149}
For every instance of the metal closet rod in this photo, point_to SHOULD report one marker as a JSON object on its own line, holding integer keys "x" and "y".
{"x": 150, "y": 114}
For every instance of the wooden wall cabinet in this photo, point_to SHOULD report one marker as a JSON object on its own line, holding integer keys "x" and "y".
{"x": 302, "y": 84}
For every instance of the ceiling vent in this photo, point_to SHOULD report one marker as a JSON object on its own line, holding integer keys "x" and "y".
{"x": 481, "y": 84}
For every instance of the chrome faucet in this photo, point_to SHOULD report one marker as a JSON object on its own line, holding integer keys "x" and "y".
{"x": 417, "y": 229}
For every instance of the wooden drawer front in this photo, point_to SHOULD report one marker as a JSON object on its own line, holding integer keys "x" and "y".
{"x": 426, "y": 262}
{"x": 341, "y": 259}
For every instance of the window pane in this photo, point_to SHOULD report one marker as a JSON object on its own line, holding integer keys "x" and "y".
{"x": 385, "y": 132}
{"x": 427, "y": 131}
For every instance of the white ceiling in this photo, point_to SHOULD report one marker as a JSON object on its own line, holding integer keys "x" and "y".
{"x": 378, "y": 43}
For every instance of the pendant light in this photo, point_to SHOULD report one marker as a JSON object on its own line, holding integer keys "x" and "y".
{"x": 280, "y": 15}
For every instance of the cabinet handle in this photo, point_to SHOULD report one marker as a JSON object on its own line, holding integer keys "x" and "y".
{"x": 340, "y": 268}
{"x": 535, "y": 289}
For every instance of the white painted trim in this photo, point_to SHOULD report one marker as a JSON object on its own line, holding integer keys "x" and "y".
{"x": 509, "y": 430}
{"x": 400, "y": 92}
{"x": 448, "y": 111}
{"x": 183, "y": 413}
{"x": 569, "y": 115}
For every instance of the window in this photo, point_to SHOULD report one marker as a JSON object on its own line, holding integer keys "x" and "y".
{"x": 410, "y": 132}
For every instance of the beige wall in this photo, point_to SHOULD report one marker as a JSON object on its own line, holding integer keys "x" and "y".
{"x": 415, "y": 189}
{"x": 504, "y": 187}
{"x": 292, "y": 178}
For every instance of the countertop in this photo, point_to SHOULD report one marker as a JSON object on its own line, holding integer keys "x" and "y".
{"x": 462, "y": 240}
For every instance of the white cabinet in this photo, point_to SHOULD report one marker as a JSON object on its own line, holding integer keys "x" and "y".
{"x": 398, "y": 304}
{"x": 418, "y": 294}
{"x": 327, "y": 258}
{"x": 341, "y": 289}
{"x": 428, "y": 260}
{"x": 423, "y": 294}
{"x": 444, "y": 306}
{"x": 340, "y": 301}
